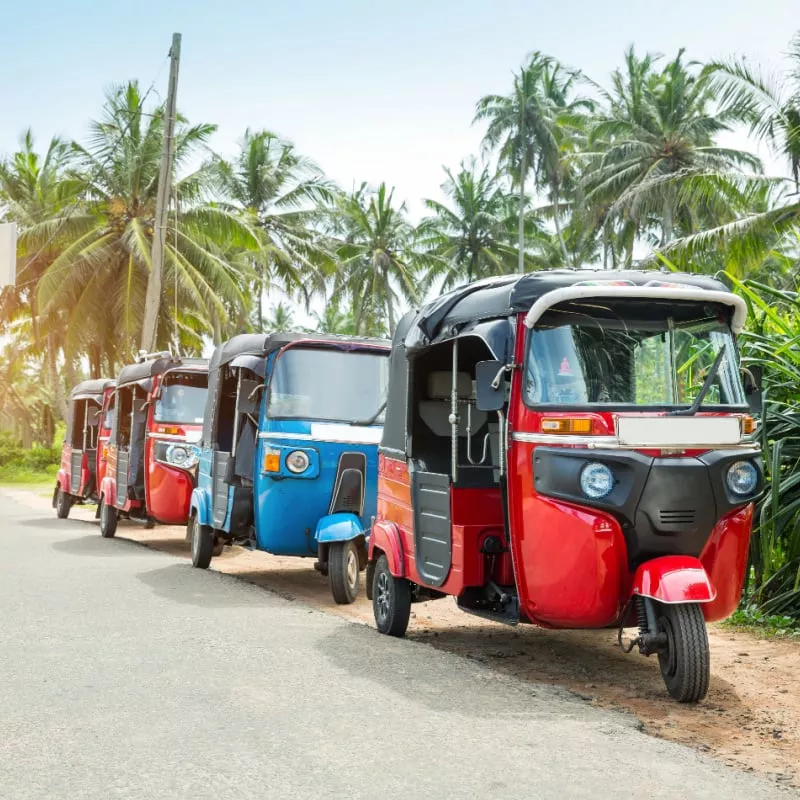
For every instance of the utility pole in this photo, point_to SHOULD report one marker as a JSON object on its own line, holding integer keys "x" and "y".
{"x": 152, "y": 301}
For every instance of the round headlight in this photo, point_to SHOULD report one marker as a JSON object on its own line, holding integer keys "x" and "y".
{"x": 297, "y": 462}
{"x": 597, "y": 481}
{"x": 742, "y": 477}
{"x": 181, "y": 456}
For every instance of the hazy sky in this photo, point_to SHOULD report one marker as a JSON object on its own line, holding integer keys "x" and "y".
{"x": 372, "y": 91}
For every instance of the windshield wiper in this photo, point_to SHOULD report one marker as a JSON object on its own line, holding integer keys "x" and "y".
{"x": 712, "y": 373}
{"x": 370, "y": 420}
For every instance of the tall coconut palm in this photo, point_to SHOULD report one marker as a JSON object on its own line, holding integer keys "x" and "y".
{"x": 280, "y": 193}
{"x": 533, "y": 128}
{"x": 653, "y": 164}
{"x": 378, "y": 256}
{"x": 99, "y": 277}
{"x": 473, "y": 236}
{"x": 769, "y": 104}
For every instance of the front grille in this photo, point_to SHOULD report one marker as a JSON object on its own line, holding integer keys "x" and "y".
{"x": 684, "y": 516}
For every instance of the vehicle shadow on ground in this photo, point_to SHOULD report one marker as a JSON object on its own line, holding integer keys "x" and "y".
{"x": 94, "y": 546}
{"x": 53, "y": 524}
{"x": 588, "y": 663}
{"x": 439, "y": 684}
{"x": 181, "y": 583}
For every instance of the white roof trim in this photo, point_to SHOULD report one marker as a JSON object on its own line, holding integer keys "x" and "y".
{"x": 557, "y": 296}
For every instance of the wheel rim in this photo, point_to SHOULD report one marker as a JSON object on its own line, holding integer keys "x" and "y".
{"x": 195, "y": 538}
{"x": 382, "y": 595}
{"x": 351, "y": 567}
{"x": 668, "y": 660}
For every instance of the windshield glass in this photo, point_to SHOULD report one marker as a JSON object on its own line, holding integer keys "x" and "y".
{"x": 632, "y": 353}
{"x": 327, "y": 384}
{"x": 182, "y": 399}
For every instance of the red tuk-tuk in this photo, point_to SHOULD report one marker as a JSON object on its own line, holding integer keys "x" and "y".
{"x": 82, "y": 462}
{"x": 157, "y": 409}
{"x": 572, "y": 449}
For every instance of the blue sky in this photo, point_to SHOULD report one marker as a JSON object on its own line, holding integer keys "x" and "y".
{"x": 370, "y": 90}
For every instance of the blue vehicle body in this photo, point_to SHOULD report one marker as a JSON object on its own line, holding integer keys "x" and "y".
{"x": 246, "y": 491}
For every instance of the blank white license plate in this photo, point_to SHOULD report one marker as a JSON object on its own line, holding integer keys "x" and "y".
{"x": 678, "y": 431}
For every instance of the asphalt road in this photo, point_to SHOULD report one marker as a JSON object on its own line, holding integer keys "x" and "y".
{"x": 126, "y": 674}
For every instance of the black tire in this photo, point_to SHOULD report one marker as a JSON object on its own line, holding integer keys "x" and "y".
{"x": 202, "y": 544}
{"x": 343, "y": 572}
{"x": 108, "y": 519}
{"x": 63, "y": 504}
{"x": 219, "y": 546}
{"x": 391, "y": 600}
{"x": 150, "y": 524}
{"x": 686, "y": 662}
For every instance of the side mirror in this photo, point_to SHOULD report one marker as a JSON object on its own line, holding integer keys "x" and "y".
{"x": 753, "y": 387}
{"x": 490, "y": 387}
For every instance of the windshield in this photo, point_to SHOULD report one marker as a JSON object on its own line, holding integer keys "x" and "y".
{"x": 632, "y": 354}
{"x": 327, "y": 384}
{"x": 182, "y": 398}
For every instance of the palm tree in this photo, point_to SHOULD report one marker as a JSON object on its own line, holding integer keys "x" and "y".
{"x": 378, "y": 256}
{"x": 473, "y": 237}
{"x": 769, "y": 104}
{"x": 281, "y": 318}
{"x": 98, "y": 279}
{"x": 533, "y": 128}
{"x": 653, "y": 164}
{"x": 279, "y": 192}
{"x": 334, "y": 319}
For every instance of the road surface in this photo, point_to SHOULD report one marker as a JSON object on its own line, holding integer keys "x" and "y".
{"x": 126, "y": 674}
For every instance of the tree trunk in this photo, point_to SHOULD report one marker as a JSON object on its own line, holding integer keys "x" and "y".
{"x": 54, "y": 379}
{"x": 667, "y": 223}
{"x": 521, "y": 241}
{"x": 557, "y": 223}
{"x": 389, "y": 309}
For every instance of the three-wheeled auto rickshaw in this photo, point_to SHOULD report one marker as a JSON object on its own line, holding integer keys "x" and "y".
{"x": 82, "y": 453}
{"x": 288, "y": 460}
{"x": 157, "y": 408}
{"x": 573, "y": 449}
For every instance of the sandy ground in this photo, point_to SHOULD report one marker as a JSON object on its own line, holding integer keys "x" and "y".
{"x": 750, "y": 719}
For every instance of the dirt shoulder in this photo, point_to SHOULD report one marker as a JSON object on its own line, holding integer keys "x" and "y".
{"x": 750, "y": 719}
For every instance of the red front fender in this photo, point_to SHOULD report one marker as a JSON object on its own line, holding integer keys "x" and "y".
{"x": 674, "y": 579}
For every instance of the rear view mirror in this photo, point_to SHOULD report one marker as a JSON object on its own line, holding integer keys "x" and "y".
{"x": 753, "y": 387}
{"x": 490, "y": 386}
{"x": 247, "y": 402}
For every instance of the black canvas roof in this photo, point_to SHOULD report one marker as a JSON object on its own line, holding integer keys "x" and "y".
{"x": 133, "y": 373}
{"x": 509, "y": 294}
{"x": 95, "y": 386}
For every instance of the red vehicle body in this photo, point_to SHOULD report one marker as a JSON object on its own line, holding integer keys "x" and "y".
{"x": 157, "y": 409}
{"x": 82, "y": 457}
{"x": 552, "y": 454}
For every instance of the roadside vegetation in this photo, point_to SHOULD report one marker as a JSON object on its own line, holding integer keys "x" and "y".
{"x": 630, "y": 169}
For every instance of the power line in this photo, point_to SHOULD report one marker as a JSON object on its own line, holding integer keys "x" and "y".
{"x": 98, "y": 172}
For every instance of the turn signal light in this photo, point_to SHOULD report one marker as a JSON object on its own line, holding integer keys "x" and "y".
{"x": 172, "y": 430}
{"x": 566, "y": 425}
{"x": 272, "y": 461}
{"x": 748, "y": 425}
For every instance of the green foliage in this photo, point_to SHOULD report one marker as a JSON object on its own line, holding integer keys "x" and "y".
{"x": 751, "y": 616}
{"x": 26, "y": 465}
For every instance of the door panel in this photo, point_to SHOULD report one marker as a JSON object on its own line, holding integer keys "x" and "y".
{"x": 75, "y": 462}
{"x": 432, "y": 528}
{"x": 123, "y": 479}
{"x": 220, "y": 487}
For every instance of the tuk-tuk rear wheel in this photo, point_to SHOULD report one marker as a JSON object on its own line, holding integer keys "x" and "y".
{"x": 63, "y": 504}
{"x": 202, "y": 544}
{"x": 685, "y": 662}
{"x": 391, "y": 600}
{"x": 108, "y": 519}
{"x": 343, "y": 571}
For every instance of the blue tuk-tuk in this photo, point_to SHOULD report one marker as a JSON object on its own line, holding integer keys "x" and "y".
{"x": 289, "y": 452}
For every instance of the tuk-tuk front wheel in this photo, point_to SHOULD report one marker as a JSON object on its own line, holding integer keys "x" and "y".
{"x": 343, "y": 571}
{"x": 685, "y": 660}
{"x": 63, "y": 504}
{"x": 202, "y": 544}
{"x": 391, "y": 600}
{"x": 108, "y": 519}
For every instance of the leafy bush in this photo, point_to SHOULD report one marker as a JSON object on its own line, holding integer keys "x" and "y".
{"x": 772, "y": 342}
{"x": 18, "y": 465}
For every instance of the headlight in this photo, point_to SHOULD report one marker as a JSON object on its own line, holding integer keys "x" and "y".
{"x": 742, "y": 477}
{"x": 297, "y": 461}
{"x": 183, "y": 456}
{"x": 597, "y": 481}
